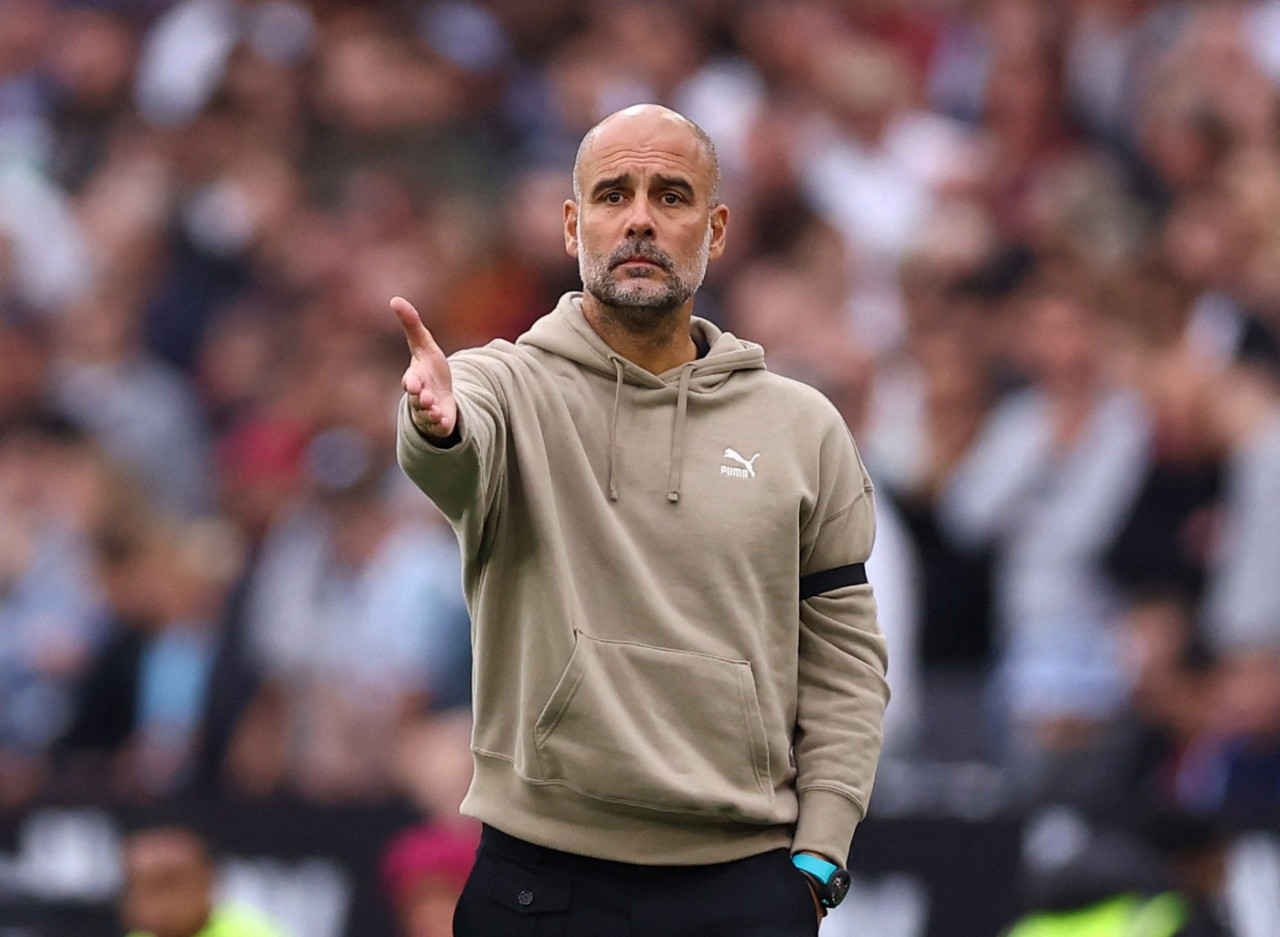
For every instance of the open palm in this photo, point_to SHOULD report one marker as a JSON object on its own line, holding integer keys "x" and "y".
{"x": 428, "y": 380}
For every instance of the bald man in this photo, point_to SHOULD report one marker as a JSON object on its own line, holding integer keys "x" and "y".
{"x": 679, "y": 679}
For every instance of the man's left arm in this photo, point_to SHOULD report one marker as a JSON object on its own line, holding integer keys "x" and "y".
{"x": 842, "y": 691}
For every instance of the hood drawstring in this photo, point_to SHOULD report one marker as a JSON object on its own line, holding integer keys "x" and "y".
{"x": 676, "y": 473}
{"x": 613, "y": 428}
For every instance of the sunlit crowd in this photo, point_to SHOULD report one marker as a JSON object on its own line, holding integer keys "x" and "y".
{"x": 1031, "y": 249}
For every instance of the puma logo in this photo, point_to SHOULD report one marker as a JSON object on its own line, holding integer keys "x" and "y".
{"x": 748, "y": 469}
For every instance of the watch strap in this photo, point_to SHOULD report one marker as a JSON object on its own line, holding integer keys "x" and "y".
{"x": 820, "y": 869}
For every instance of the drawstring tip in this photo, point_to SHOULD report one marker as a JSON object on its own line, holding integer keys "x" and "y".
{"x": 673, "y": 496}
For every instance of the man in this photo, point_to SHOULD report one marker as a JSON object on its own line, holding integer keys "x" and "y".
{"x": 679, "y": 679}
{"x": 169, "y": 878}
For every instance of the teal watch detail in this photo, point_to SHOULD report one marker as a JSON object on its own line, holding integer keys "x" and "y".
{"x": 830, "y": 881}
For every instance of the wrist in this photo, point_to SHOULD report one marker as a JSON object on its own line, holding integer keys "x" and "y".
{"x": 430, "y": 432}
{"x": 829, "y": 881}
{"x": 442, "y": 442}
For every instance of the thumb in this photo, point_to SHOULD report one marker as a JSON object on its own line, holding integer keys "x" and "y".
{"x": 415, "y": 333}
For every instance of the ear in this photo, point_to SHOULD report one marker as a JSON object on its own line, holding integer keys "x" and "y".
{"x": 571, "y": 228}
{"x": 719, "y": 222}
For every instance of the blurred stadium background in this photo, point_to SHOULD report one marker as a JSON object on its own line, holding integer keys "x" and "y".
{"x": 1030, "y": 247}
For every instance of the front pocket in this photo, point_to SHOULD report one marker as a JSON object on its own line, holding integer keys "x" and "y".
{"x": 527, "y": 891}
{"x": 658, "y": 728}
{"x": 505, "y": 899}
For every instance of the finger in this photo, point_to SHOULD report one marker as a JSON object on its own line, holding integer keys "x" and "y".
{"x": 431, "y": 418}
{"x": 424, "y": 410}
{"x": 420, "y": 340}
{"x": 443, "y": 424}
{"x": 426, "y": 401}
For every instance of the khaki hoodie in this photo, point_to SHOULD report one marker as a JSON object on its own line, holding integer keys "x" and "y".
{"x": 648, "y": 685}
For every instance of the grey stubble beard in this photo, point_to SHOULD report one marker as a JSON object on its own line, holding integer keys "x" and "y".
{"x": 632, "y": 306}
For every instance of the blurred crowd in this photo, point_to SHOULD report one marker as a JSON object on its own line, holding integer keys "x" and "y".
{"x": 1031, "y": 249}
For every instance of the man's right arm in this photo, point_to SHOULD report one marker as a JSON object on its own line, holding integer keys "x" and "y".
{"x": 452, "y": 445}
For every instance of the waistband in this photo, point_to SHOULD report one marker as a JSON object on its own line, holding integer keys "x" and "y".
{"x": 544, "y": 857}
{"x": 561, "y": 818}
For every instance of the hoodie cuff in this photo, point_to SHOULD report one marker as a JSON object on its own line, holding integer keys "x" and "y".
{"x": 826, "y": 824}
{"x": 420, "y": 441}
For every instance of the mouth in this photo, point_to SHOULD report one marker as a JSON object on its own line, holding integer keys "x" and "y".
{"x": 638, "y": 265}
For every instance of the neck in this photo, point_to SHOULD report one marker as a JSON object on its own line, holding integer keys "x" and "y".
{"x": 654, "y": 341}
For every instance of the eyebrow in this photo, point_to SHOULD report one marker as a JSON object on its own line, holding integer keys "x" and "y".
{"x": 675, "y": 182}
{"x": 667, "y": 182}
{"x": 604, "y": 185}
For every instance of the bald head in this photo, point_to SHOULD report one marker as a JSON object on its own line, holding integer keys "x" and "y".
{"x": 168, "y": 844}
{"x": 169, "y": 880}
{"x": 639, "y": 122}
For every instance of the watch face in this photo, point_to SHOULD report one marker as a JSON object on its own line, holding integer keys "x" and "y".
{"x": 836, "y": 888}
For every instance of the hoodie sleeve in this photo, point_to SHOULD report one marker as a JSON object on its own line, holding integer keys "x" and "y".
{"x": 843, "y": 660}
{"x": 464, "y": 479}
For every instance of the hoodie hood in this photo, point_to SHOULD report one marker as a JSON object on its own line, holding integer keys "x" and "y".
{"x": 566, "y": 332}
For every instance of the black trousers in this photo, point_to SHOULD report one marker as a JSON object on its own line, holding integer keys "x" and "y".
{"x": 518, "y": 889}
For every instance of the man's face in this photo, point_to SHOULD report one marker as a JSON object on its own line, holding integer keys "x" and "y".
{"x": 168, "y": 885}
{"x": 644, "y": 229}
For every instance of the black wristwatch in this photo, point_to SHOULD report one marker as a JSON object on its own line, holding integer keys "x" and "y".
{"x": 830, "y": 881}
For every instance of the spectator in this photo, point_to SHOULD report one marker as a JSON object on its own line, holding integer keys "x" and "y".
{"x": 1161, "y": 879}
{"x": 143, "y": 413}
{"x": 1250, "y": 721}
{"x": 423, "y": 871}
{"x": 50, "y": 605}
{"x": 1169, "y": 746}
{"x": 142, "y": 711}
{"x": 1165, "y": 542}
{"x": 874, "y": 168}
{"x": 356, "y": 618}
{"x": 169, "y": 889}
{"x": 1243, "y": 604}
{"x": 1046, "y": 481}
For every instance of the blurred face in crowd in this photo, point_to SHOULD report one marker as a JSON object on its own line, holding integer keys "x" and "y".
{"x": 169, "y": 879}
{"x": 132, "y": 564}
{"x": 92, "y": 57}
{"x": 24, "y": 26}
{"x": 428, "y": 911}
{"x": 1060, "y": 340}
{"x": 1250, "y": 700}
{"x": 644, "y": 224}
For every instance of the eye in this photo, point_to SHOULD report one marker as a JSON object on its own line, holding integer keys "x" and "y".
{"x": 613, "y": 198}
{"x": 672, "y": 198}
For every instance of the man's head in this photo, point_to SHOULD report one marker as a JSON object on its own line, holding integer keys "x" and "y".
{"x": 168, "y": 883}
{"x": 646, "y": 217}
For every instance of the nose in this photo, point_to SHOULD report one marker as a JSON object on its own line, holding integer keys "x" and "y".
{"x": 640, "y": 220}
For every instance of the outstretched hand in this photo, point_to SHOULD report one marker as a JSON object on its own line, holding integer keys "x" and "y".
{"x": 428, "y": 380}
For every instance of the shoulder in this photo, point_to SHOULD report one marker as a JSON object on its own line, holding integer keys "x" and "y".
{"x": 791, "y": 389}
{"x": 493, "y": 355}
{"x": 810, "y": 407}
{"x": 499, "y": 358}
{"x": 497, "y": 365}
